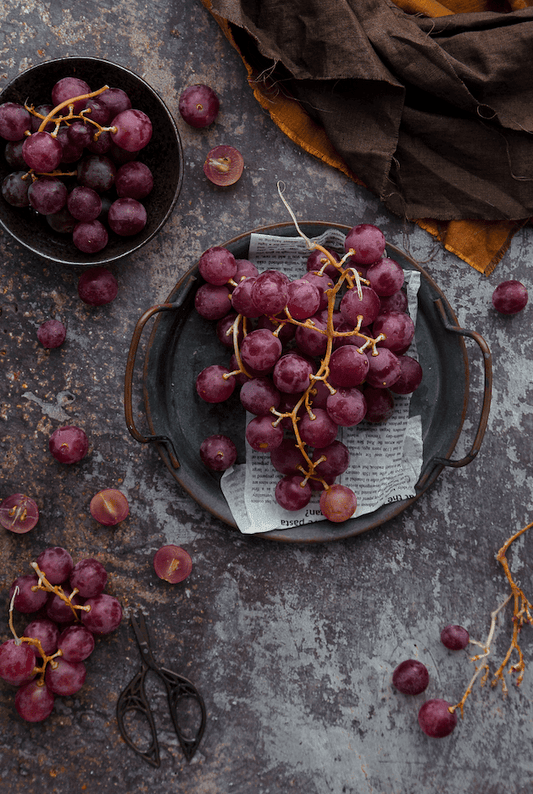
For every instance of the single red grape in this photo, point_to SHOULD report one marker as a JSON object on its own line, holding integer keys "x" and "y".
{"x": 435, "y": 718}
{"x": 410, "y": 677}
{"x": 510, "y": 297}
{"x": 68, "y": 444}
{"x": 97, "y": 286}
{"x": 51, "y": 334}
{"x": 56, "y": 563}
{"x": 338, "y": 503}
{"x": 198, "y": 105}
{"x": 454, "y": 637}
{"x": 172, "y": 563}
{"x": 34, "y": 702}
{"x": 218, "y": 452}
{"x": 291, "y": 493}
{"x": 367, "y": 241}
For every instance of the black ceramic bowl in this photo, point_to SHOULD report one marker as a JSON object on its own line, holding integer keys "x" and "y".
{"x": 163, "y": 155}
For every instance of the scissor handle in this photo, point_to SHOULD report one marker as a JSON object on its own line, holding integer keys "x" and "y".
{"x": 180, "y": 689}
{"x": 133, "y": 698}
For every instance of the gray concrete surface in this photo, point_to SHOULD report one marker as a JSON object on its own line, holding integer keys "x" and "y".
{"x": 293, "y": 646}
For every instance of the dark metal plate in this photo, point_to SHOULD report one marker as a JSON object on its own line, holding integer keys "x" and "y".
{"x": 182, "y": 344}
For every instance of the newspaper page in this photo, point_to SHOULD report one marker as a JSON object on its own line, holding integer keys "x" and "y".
{"x": 385, "y": 459}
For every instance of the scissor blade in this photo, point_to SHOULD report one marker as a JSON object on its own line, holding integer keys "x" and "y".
{"x": 133, "y": 699}
{"x": 179, "y": 691}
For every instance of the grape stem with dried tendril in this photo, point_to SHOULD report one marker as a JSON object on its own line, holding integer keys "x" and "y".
{"x": 349, "y": 276}
{"x": 522, "y": 614}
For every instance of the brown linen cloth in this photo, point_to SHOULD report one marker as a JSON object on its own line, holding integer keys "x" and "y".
{"x": 428, "y": 105}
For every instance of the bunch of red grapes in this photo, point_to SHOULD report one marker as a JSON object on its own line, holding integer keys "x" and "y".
{"x": 310, "y": 355}
{"x": 69, "y": 608}
{"x": 75, "y": 161}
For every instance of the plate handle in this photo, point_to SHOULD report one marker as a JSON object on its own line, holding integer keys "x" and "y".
{"x": 128, "y": 383}
{"x": 487, "y": 392}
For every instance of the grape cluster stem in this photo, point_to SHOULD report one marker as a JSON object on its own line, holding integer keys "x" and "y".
{"x": 522, "y": 615}
{"x": 40, "y": 671}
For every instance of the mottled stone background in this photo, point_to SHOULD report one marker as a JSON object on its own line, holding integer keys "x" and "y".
{"x": 292, "y": 645}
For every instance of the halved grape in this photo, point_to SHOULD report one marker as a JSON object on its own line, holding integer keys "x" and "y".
{"x": 51, "y": 334}
{"x": 435, "y": 718}
{"x": 411, "y": 677}
{"x": 172, "y": 563}
{"x": 34, "y": 702}
{"x": 97, "y": 286}
{"x": 198, "y": 105}
{"x": 218, "y": 452}
{"x": 338, "y": 503}
{"x": 510, "y": 297}
{"x": 455, "y": 637}
{"x": 68, "y": 444}
{"x": 109, "y": 507}
{"x": 224, "y": 165}
{"x": 18, "y": 513}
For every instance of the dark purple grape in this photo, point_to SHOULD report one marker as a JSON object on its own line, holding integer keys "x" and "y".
{"x": 104, "y": 616}
{"x": 126, "y": 216}
{"x": 132, "y": 130}
{"x": 337, "y": 459}
{"x": 172, "y": 563}
{"x": 84, "y": 203}
{"x": 270, "y": 292}
{"x": 68, "y": 88}
{"x": 317, "y": 432}
{"x": 396, "y": 302}
{"x": 34, "y": 702}
{"x": 97, "y": 286}
{"x": 260, "y": 350}
{"x": 262, "y": 435}
{"x": 76, "y": 643}
{"x": 322, "y": 283}
{"x": 101, "y": 143}
{"x": 51, "y": 334}
{"x": 212, "y": 385}
{"x": 410, "y": 677}
{"x": 398, "y": 328}
{"x": 338, "y": 503}
{"x": 44, "y": 630}
{"x": 27, "y": 599}
{"x": 120, "y": 156}
{"x": 379, "y": 404}
{"x": 80, "y": 134}
{"x": 15, "y": 189}
{"x": 456, "y": 638}
{"x": 68, "y": 444}
{"x": 224, "y": 165}
{"x": 386, "y": 276}
{"x": 242, "y": 301}
{"x": 303, "y": 300}
{"x": 42, "y": 152}
{"x": 198, "y": 105}
{"x": 510, "y": 297}
{"x": 352, "y": 307}
{"x": 59, "y": 611}
{"x": 312, "y": 342}
{"x": 47, "y": 195}
{"x": 410, "y": 377}
{"x": 245, "y": 269}
{"x": 62, "y": 221}
{"x": 97, "y": 171}
{"x": 287, "y": 457}
{"x": 224, "y": 330}
{"x": 17, "y": 661}
{"x": 116, "y": 100}
{"x": 367, "y": 242}
{"x": 88, "y": 577}
{"x": 217, "y": 265}
{"x": 435, "y": 718}
{"x": 13, "y": 155}
{"x": 317, "y": 259}
{"x": 134, "y": 180}
{"x": 71, "y": 152}
{"x": 15, "y": 121}
{"x": 65, "y": 678}
{"x": 218, "y": 452}
{"x": 18, "y": 513}
{"x": 292, "y": 492}
{"x": 383, "y": 370}
{"x": 56, "y": 564}
{"x": 36, "y": 121}
{"x": 348, "y": 367}
{"x": 96, "y": 110}
{"x": 259, "y": 395}
{"x": 212, "y": 302}
{"x": 347, "y": 407}
{"x": 292, "y": 373}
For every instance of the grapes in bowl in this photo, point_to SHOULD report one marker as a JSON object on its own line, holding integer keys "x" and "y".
{"x": 132, "y": 125}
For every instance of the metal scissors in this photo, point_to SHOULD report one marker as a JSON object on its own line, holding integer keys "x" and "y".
{"x": 179, "y": 690}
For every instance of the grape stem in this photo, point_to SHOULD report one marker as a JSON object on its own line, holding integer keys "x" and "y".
{"x": 40, "y": 671}
{"x": 44, "y": 584}
{"x": 522, "y": 614}
{"x": 70, "y": 104}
